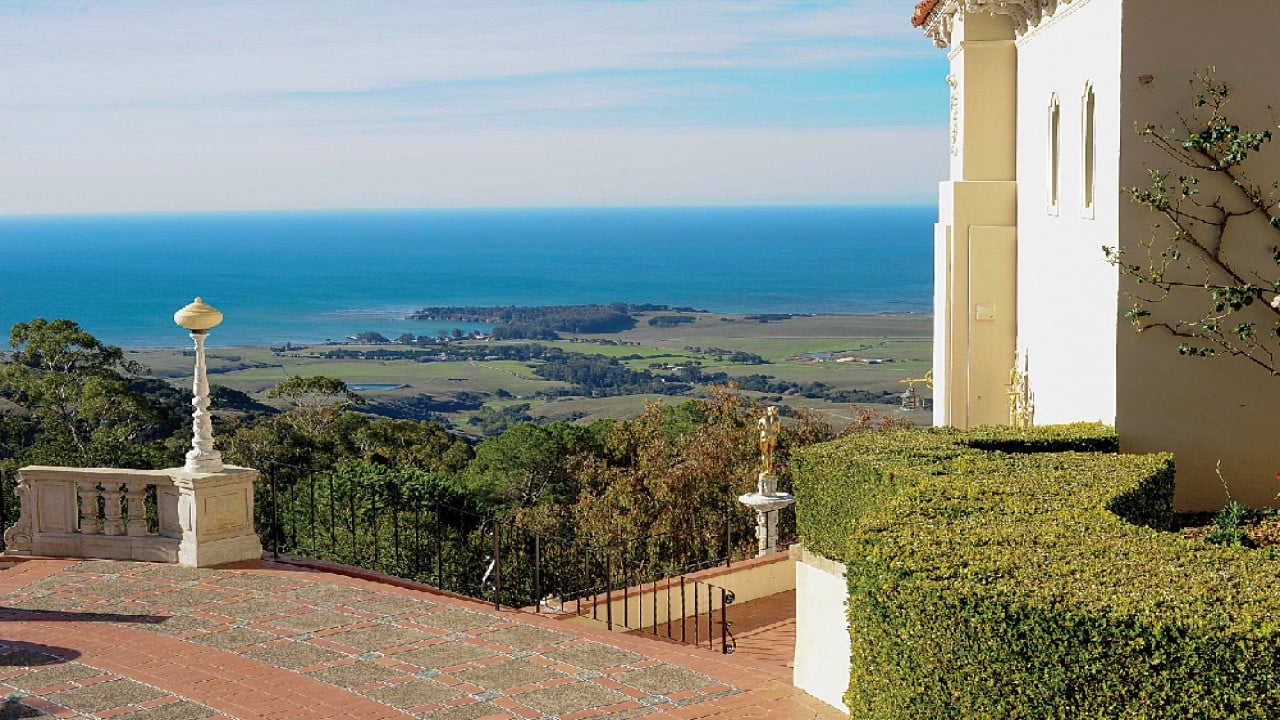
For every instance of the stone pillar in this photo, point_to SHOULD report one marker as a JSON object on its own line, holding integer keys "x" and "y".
{"x": 975, "y": 316}
{"x": 215, "y": 514}
{"x": 767, "y": 502}
{"x": 766, "y": 532}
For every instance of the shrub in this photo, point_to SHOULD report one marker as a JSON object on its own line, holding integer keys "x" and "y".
{"x": 1004, "y": 574}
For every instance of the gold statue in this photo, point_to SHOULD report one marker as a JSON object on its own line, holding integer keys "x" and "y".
{"x": 1022, "y": 402}
{"x": 768, "y": 439}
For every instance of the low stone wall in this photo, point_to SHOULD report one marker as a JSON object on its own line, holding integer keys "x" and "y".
{"x": 202, "y": 519}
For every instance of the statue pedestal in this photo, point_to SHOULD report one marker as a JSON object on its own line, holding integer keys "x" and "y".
{"x": 215, "y": 513}
{"x": 767, "y": 502}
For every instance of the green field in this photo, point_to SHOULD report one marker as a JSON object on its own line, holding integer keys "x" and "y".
{"x": 901, "y": 341}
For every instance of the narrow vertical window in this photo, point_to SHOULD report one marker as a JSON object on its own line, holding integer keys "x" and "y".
{"x": 1089, "y": 139}
{"x": 1055, "y": 147}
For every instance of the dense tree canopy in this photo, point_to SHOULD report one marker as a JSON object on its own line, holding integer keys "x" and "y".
{"x": 77, "y": 402}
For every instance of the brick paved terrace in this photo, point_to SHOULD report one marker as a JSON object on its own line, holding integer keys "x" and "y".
{"x": 132, "y": 641}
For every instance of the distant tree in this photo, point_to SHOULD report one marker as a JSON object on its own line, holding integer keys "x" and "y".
{"x": 266, "y": 444}
{"x": 672, "y": 475}
{"x": 405, "y": 339}
{"x": 493, "y": 422}
{"x": 530, "y": 464}
{"x": 222, "y": 397}
{"x": 670, "y": 321}
{"x": 457, "y": 333}
{"x": 425, "y": 445}
{"x": 316, "y": 401}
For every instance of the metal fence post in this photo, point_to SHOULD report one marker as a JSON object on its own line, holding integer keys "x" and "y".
{"x": 439, "y": 549}
{"x": 724, "y": 624}
{"x": 608, "y": 591}
{"x": 275, "y": 521}
{"x": 683, "y": 613}
{"x": 537, "y": 572}
{"x": 497, "y": 565}
{"x": 697, "y": 617}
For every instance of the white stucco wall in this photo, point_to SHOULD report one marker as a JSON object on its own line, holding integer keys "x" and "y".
{"x": 1204, "y": 410}
{"x": 822, "y": 630}
{"x": 1066, "y": 289}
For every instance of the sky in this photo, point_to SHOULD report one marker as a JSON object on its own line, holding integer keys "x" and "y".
{"x": 177, "y": 105}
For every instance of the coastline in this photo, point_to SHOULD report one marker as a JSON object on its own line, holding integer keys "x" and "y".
{"x": 183, "y": 343}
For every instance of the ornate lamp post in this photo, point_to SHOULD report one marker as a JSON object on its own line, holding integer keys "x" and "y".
{"x": 199, "y": 317}
{"x": 766, "y": 500}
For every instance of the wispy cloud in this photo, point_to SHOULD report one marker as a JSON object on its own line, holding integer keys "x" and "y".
{"x": 504, "y": 169}
{"x": 92, "y": 87}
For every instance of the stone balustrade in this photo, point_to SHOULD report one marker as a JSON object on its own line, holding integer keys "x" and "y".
{"x": 173, "y": 516}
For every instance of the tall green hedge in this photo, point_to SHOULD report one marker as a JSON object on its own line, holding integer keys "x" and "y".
{"x": 1003, "y": 574}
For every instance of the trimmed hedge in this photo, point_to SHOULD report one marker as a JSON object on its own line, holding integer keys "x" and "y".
{"x": 1003, "y": 574}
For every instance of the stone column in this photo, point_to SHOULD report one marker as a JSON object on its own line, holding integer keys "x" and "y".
{"x": 767, "y": 502}
{"x": 215, "y": 513}
{"x": 975, "y": 238}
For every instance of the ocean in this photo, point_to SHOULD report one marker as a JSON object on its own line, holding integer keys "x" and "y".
{"x": 308, "y": 277}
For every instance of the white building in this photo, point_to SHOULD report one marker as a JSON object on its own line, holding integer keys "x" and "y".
{"x": 1045, "y": 96}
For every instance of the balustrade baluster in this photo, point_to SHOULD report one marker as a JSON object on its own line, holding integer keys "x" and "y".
{"x": 88, "y": 509}
{"x": 111, "y": 522}
{"x": 136, "y": 519}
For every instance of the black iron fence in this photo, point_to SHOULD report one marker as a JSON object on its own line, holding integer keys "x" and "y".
{"x": 639, "y": 583}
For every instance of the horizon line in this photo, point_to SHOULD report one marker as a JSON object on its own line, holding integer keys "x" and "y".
{"x": 461, "y": 209}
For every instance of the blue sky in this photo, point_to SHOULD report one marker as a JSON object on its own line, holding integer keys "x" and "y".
{"x": 163, "y": 105}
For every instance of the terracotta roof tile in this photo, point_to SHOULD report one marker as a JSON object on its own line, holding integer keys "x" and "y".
{"x": 923, "y": 8}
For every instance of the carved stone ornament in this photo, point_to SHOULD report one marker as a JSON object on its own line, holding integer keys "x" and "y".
{"x": 954, "y": 82}
{"x": 17, "y": 538}
{"x": 1025, "y": 14}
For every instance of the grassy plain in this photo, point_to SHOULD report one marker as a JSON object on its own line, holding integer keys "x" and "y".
{"x": 901, "y": 341}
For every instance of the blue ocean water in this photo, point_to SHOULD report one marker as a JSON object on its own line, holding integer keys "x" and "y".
{"x": 313, "y": 276}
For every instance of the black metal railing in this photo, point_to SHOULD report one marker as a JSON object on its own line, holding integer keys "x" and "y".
{"x": 681, "y": 609}
{"x": 639, "y": 583}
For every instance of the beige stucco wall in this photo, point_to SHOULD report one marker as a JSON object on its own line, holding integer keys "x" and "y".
{"x": 1066, "y": 289}
{"x": 1204, "y": 410}
{"x": 974, "y": 314}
